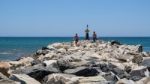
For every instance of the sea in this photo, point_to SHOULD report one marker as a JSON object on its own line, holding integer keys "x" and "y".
{"x": 12, "y": 48}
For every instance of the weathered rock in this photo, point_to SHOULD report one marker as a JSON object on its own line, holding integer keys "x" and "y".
{"x": 37, "y": 71}
{"x": 125, "y": 58}
{"x": 36, "y": 62}
{"x": 82, "y": 71}
{"x": 137, "y": 58}
{"x": 25, "y": 61}
{"x": 104, "y": 67}
{"x": 41, "y": 52}
{"x": 61, "y": 50}
{"x": 110, "y": 76}
{"x": 112, "y": 60}
{"x": 125, "y": 81}
{"x": 115, "y": 42}
{"x": 60, "y": 79}
{"x": 145, "y": 80}
{"x": 146, "y": 54}
{"x": 139, "y": 73}
{"x": 93, "y": 80}
{"x": 57, "y": 45}
{"x": 116, "y": 65}
{"x": 45, "y": 48}
{"x": 24, "y": 79}
{"x": 64, "y": 64}
{"x": 146, "y": 61}
{"x": 50, "y": 62}
{"x": 71, "y": 79}
{"x": 7, "y": 81}
{"x": 131, "y": 48}
{"x": 2, "y": 76}
{"x": 73, "y": 49}
{"x": 4, "y": 67}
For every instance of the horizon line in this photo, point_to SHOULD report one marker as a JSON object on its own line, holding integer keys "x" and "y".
{"x": 72, "y": 36}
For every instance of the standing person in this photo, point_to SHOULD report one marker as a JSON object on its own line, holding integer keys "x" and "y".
{"x": 94, "y": 36}
{"x": 76, "y": 39}
{"x": 87, "y": 34}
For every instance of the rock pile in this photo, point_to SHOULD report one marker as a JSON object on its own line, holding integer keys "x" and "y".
{"x": 89, "y": 63}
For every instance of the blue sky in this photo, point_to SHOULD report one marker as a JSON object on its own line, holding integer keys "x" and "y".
{"x": 67, "y": 17}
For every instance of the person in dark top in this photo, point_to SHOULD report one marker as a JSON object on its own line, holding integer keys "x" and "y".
{"x": 87, "y": 34}
{"x": 94, "y": 36}
{"x": 76, "y": 39}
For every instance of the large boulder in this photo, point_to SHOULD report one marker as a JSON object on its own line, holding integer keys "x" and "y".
{"x": 60, "y": 79}
{"x": 115, "y": 42}
{"x": 138, "y": 73}
{"x": 37, "y": 71}
{"x": 8, "y": 81}
{"x": 71, "y": 79}
{"x": 93, "y": 80}
{"x": 49, "y": 62}
{"x": 41, "y": 52}
{"x": 125, "y": 81}
{"x": 118, "y": 69}
{"x": 3, "y": 76}
{"x": 61, "y": 50}
{"x": 25, "y": 61}
{"x": 145, "y": 80}
{"x": 125, "y": 57}
{"x": 72, "y": 61}
{"x": 57, "y": 45}
{"x": 4, "y": 68}
{"x": 82, "y": 71}
{"x": 146, "y": 54}
{"x": 24, "y": 79}
{"x": 137, "y": 58}
{"x": 110, "y": 76}
{"x": 146, "y": 61}
{"x": 131, "y": 48}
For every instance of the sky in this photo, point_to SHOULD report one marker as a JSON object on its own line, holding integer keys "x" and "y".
{"x": 40, "y": 18}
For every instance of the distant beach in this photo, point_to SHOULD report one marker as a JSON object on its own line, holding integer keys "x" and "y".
{"x": 12, "y": 48}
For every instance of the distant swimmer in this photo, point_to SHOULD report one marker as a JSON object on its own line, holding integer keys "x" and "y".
{"x": 94, "y": 36}
{"x": 76, "y": 39}
{"x": 87, "y": 33}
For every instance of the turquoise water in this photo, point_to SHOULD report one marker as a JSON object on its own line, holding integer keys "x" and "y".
{"x": 13, "y": 47}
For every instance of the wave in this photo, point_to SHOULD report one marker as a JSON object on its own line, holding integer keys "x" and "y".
{"x": 5, "y": 53}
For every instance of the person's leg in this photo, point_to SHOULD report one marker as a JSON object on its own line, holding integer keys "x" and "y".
{"x": 88, "y": 36}
{"x": 94, "y": 39}
{"x": 76, "y": 42}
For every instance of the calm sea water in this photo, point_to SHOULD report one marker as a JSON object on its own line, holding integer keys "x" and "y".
{"x": 12, "y": 48}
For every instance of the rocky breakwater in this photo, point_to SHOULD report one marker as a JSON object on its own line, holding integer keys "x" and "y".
{"x": 88, "y": 63}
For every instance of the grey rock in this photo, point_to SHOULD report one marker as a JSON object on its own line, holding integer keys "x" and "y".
{"x": 2, "y": 76}
{"x": 60, "y": 79}
{"x": 137, "y": 58}
{"x": 64, "y": 64}
{"x": 82, "y": 71}
{"x": 145, "y": 80}
{"x": 139, "y": 73}
{"x": 115, "y": 42}
{"x": 37, "y": 71}
{"x": 110, "y": 76}
{"x": 146, "y": 61}
{"x": 41, "y": 52}
{"x": 8, "y": 81}
{"x": 125, "y": 81}
{"x": 24, "y": 79}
